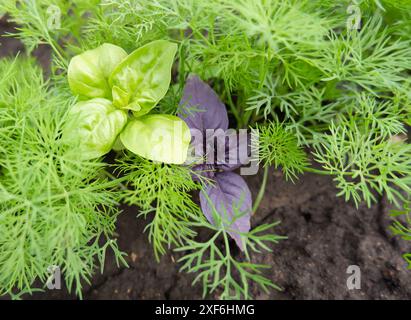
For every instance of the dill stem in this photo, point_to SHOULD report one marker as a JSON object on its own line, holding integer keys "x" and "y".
{"x": 56, "y": 49}
{"x": 261, "y": 192}
{"x": 228, "y": 264}
{"x": 313, "y": 170}
{"x": 323, "y": 172}
{"x": 109, "y": 175}
{"x": 233, "y": 107}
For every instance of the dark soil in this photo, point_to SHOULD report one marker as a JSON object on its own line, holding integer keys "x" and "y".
{"x": 325, "y": 236}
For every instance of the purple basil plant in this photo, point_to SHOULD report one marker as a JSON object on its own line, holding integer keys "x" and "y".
{"x": 228, "y": 195}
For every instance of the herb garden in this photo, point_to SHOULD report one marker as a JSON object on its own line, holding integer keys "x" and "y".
{"x": 223, "y": 149}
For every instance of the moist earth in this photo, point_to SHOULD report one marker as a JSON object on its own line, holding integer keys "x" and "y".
{"x": 325, "y": 234}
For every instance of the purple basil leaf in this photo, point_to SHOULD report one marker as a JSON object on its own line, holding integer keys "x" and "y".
{"x": 205, "y": 170}
{"x": 231, "y": 199}
{"x": 200, "y": 106}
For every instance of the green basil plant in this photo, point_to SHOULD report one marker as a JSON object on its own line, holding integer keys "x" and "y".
{"x": 116, "y": 92}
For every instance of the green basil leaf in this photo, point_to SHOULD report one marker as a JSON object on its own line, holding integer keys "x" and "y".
{"x": 93, "y": 127}
{"x": 88, "y": 73}
{"x": 120, "y": 97}
{"x": 143, "y": 77}
{"x": 163, "y": 138}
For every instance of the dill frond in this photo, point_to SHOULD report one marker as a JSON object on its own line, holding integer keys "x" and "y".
{"x": 363, "y": 153}
{"x": 401, "y": 227}
{"x": 368, "y": 58}
{"x": 54, "y": 209}
{"x": 163, "y": 192}
{"x": 219, "y": 269}
{"x": 279, "y": 147}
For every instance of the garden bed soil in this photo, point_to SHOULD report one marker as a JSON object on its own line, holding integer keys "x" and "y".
{"x": 325, "y": 236}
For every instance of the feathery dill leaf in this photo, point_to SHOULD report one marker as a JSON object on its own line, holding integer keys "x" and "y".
{"x": 279, "y": 147}
{"x": 54, "y": 209}
{"x": 217, "y": 266}
{"x": 163, "y": 192}
{"x": 364, "y": 153}
{"x": 401, "y": 227}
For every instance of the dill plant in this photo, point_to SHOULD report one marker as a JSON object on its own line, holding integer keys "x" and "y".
{"x": 288, "y": 69}
{"x": 54, "y": 209}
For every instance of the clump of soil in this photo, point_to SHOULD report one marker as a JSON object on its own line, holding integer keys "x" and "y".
{"x": 325, "y": 236}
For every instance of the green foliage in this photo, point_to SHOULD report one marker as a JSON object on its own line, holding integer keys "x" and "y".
{"x": 54, "y": 209}
{"x": 96, "y": 140}
{"x": 47, "y": 22}
{"x": 368, "y": 59}
{"x": 279, "y": 148}
{"x": 88, "y": 73}
{"x": 365, "y": 154}
{"x": 274, "y": 56}
{"x": 401, "y": 227}
{"x": 290, "y": 69}
{"x": 144, "y": 76}
{"x": 217, "y": 266}
{"x": 303, "y": 109}
{"x": 129, "y": 23}
{"x": 288, "y": 33}
{"x": 18, "y": 88}
{"x": 160, "y": 190}
{"x": 115, "y": 84}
